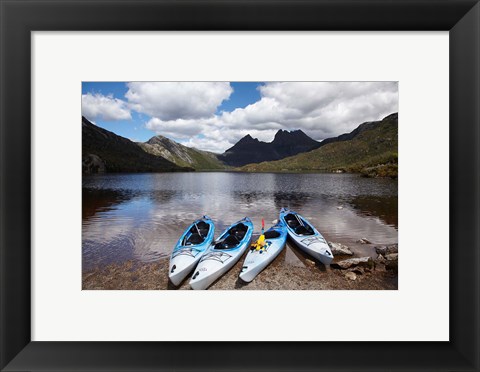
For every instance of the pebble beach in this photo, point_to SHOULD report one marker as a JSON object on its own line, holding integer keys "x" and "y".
{"x": 291, "y": 270}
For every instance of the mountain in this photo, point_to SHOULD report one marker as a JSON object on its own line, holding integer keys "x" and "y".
{"x": 362, "y": 127}
{"x": 370, "y": 149}
{"x": 251, "y": 150}
{"x": 104, "y": 151}
{"x": 181, "y": 155}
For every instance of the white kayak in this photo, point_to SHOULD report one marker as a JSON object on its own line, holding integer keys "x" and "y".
{"x": 223, "y": 254}
{"x": 305, "y": 236}
{"x": 190, "y": 248}
{"x": 259, "y": 257}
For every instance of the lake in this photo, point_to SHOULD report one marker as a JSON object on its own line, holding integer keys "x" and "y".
{"x": 141, "y": 216}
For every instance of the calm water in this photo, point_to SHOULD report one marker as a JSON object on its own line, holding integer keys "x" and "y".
{"x": 141, "y": 216}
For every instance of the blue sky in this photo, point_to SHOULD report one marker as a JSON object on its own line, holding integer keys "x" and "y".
{"x": 244, "y": 93}
{"x": 215, "y": 115}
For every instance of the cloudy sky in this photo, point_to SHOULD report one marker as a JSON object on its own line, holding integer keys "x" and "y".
{"x": 213, "y": 116}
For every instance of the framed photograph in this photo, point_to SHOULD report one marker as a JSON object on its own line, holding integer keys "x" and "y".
{"x": 159, "y": 173}
{"x": 311, "y": 168}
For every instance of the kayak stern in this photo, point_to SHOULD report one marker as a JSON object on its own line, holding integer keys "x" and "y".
{"x": 321, "y": 251}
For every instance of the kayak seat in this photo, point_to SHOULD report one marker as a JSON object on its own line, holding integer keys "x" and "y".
{"x": 195, "y": 239}
{"x": 304, "y": 230}
{"x": 292, "y": 221}
{"x": 228, "y": 243}
{"x": 238, "y": 231}
{"x": 203, "y": 227}
{"x": 272, "y": 234}
{"x": 231, "y": 241}
{"x": 240, "y": 235}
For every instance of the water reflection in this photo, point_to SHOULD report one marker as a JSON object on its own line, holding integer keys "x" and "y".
{"x": 385, "y": 208}
{"x": 141, "y": 216}
{"x": 98, "y": 200}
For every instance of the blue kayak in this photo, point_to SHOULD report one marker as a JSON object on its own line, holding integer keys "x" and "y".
{"x": 306, "y": 236}
{"x": 223, "y": 254}
{"x": 260, "y": 255}
{"x": 190, "y": 248}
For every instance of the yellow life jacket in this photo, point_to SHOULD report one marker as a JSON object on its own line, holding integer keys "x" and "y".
{"x": 260, "y": 242}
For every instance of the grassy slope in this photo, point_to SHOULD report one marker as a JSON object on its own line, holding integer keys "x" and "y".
{"x": 201, "y": 160}
{"x": 204, "y": 160}
{"x": 373, "y": 152}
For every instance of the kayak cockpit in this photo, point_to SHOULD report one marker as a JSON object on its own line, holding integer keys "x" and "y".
{"x": 298, "y": 225}
{"x": 196, "y": 234}
{"x": 233, "y": 238}
{"x": 272, "y": 234}
{"x": 228, "y": 243}
{"x": 238, "y": 231}
{"x": 304, "y": 230}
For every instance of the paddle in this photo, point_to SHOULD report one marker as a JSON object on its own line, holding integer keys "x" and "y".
{"x": 195, "y": 224}
{"x": 261, "y": 239}
{"x": 299, "y": 220}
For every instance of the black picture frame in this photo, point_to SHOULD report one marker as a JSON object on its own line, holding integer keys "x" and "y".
{"x": 18, "y": 18}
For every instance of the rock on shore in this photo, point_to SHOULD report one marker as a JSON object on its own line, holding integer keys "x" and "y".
{"x": 361, "y": 261}
{"x": 386, "y": 249}
{"x": 364, "y": 241}
{"x": 339, "y": 249}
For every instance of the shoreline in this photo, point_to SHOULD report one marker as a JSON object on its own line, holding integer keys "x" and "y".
{"x": 238, "y": 170}
{"x": 291, "y": 270}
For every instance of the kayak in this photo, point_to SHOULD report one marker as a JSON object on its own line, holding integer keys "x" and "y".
{"x": 259, "y": 257}
{"x": 190, "y": 248}
{"x": 305, "y": 236}
{"x": 222, "y": 254}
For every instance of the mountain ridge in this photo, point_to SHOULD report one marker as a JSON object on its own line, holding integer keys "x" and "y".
{"x": 370, "y": 149}
{"x": 105, "y": 151}
{"x": 251, "y": 150}
{"x": 362, "y": 127}
{"x": 364, "y": 150}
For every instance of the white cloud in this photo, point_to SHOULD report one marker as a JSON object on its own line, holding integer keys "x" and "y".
{"x": 177, "y": 100}
{"x": 108, "y": 108}
{"x": 320, "y": 109}
{"x": 187, "y": 111}
{"x": 180, "y": 128}
{"x": 206, "y": 144}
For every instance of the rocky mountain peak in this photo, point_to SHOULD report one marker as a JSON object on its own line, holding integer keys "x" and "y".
{"x": 251, "y": 150}
{"x": 284, "y": 136}
{"x": 247, "y": 139}
{"x": 158, "y": 139}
